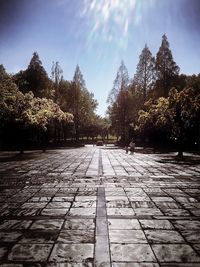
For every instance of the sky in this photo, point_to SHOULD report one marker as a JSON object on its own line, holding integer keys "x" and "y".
{"x": 97, "y": 35}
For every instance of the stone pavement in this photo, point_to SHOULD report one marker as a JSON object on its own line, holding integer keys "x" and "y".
{"x": 98, "y": 206}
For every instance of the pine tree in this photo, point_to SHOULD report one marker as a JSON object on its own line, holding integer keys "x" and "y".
{"x": 121, "y": 83}
{"x": 37, "y": 78}
{"x": 119, "y": 98}
{"x": 145, "y": 73}
{"x": 56, "y": 76}
{"x": 83, "y": 102}
{"x": 166, "y": 69}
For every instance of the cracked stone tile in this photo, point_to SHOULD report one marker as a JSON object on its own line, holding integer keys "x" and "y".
{"x": 85, "y": 204}
{"x": 85, "y": 263}
{"x": 185, "y": 199}
{"x": 175, "y": 253}
{"x": 191, "y": 205}
{"x": 58, "y": 205}
{"x": 30, "y": 252}
{"x": 39, "y": 199}
{"x": 33, "y": 237}
{"x": 127, "y": 236}
{"x": 118, "y": 204}
{"x": 176, "y": 212}
{"x": 15, "y": 224}
{"x": 62, "y": 199}
{"x": 163, "y": 236}
{"x": 82, "y": 211}
{"x": 196, "y": 212}
{"x": 77, "y": 253}
{"x": 192, "y": 236}
{"x": 78, "y": 224}
{"x": 116, "y": 198}
{"x": 34, "y": 205}
{"x": 168, "y": 205}
{"x": 3, "y": 251}
{"x": 26, "y": 212}
{"x": 156, "y": 224}
{"x": 197, "y": 247}
{"x": 162, "y": 199}
{"x": 134, "y": 264}
{"x": 123, "y": 224}
{"x": 76, "y": 236}
{"x": 54, "y": 212}
{"x": 11, "y": 236}
{"x": 85, "y": 198}
{"x": 187, "y": 224}
{"x": 142, "y": 204}
{"x": 52, "y": 224}
{"x": 131, "y": 252}
{"x": 147, "y": 211}
{"x": 120, "y": 211}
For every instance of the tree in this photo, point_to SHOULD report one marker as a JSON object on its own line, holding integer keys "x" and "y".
{"x": 119, "y": 103}
{"x": 166, "y": 69}
{"x": 37, "y": 78}
{"x": 121, "y": 83}
{"x": 154, "y": 122}
{"x": 56, "y": 76}
{"x": 24, "y": 114}
{"x": 82, "y": 102}
{"x": 145, "y": 73}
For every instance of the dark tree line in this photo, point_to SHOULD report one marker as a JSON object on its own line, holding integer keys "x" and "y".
{"x": 36, "y": 109}
{"x": 159, "y": 105}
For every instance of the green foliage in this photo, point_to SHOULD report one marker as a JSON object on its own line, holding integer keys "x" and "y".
{"x": 34, "y": 79}
{"x": 22, "y": 108}
{"x": 144, "y": 78}
{"x": 167, "y": 70}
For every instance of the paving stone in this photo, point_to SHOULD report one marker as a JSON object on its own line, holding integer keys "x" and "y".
{"x": 175, "y": 253}
{"x": 127, "y": 236}
{"x": 72, "y": 264}
{"x": 52, "y": 224}
{"x": 76, "y": 236}
{"x": 118, "y": 204}
{"x": 54, "y": 212}
{"x": 124, "y": 224}
{"x": 156, "y": 224}
{"x": 192, "y": 236}
{"x": 77, "y": 253}
{"x": 82, "y": 211}
{"x": 147, "y": 211}
{"x": 15, "y": 224}
{"x": 187, "y": 224}
{"x": 131, "y": 252}
{"x": 3, "y": 250}
{"x": 120, "y": 211}
{"x": 79, "y": 224}
{"x": 84, "y": 204}
{"x": 50, "y": 204}
{"x": 43, "y": 237}
{"x": 30, "y": 252}
{"x": 163, "y": 236}
{"x": 134, "y": 264}
{"x": 11, "y": 236}
{"x": 176, "y": 212}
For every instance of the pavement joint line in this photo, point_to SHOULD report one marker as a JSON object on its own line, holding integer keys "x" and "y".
{"x": 100, "y": 165}
{"x": 102, "y": 248}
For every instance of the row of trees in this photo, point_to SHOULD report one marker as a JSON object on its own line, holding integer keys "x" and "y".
{"x": 157, "y": 104}
{"x": 36, "y": 109}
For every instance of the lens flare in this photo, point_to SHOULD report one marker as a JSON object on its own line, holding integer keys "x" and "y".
{"x": 111, "y": 19}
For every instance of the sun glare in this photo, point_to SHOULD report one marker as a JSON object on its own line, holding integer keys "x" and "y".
{"x": 111, "y": 18}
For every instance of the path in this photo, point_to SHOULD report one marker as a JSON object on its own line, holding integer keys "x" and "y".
{"x": 98, "y": 207}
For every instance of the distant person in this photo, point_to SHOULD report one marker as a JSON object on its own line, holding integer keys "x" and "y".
{"x": 132, "y": 147}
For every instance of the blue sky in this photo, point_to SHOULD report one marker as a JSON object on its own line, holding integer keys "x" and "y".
{"x": 97, "y": 35}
